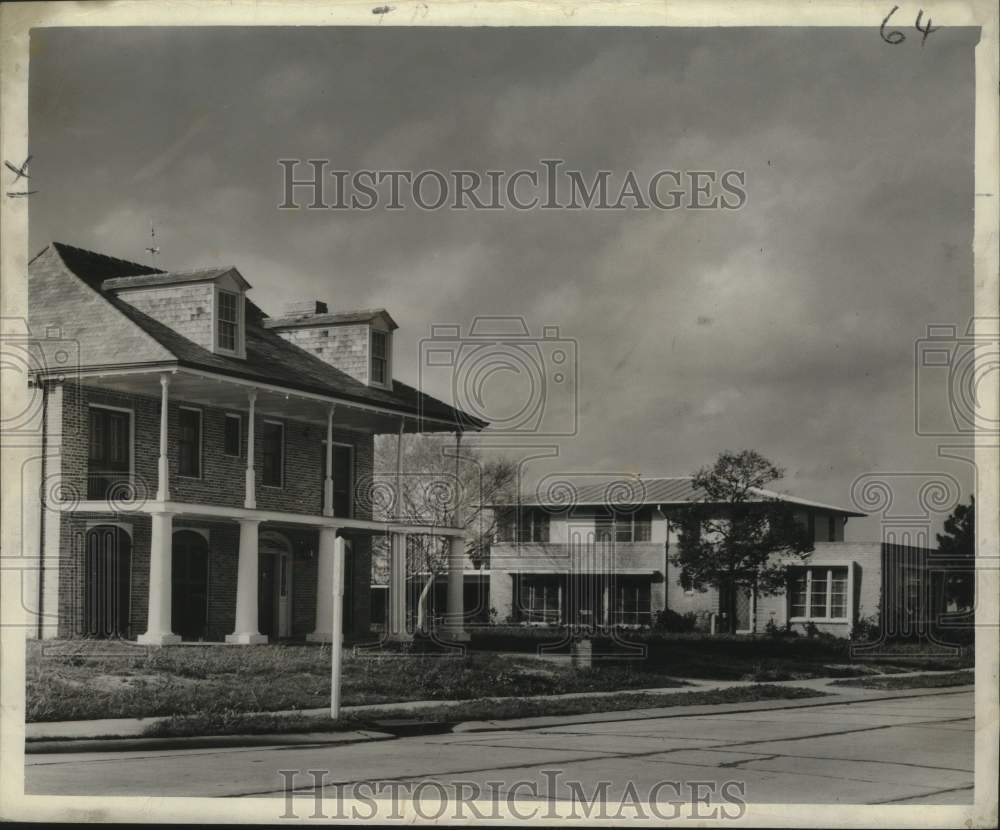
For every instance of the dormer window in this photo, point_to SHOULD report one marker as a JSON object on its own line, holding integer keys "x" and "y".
{"x": 380, "y": 357}
{"x": 228, "y": 325}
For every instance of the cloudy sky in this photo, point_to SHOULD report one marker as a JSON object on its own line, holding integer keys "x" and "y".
{"x": 787, "y": 326}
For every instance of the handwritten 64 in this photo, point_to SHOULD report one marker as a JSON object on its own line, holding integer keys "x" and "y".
{"x": 896, "y": 37}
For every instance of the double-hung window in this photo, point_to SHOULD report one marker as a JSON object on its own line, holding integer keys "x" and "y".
{"x": 272, "y": 453}
{"x": 539, "y": 599}
{"x": 228, "y": 321}
{"x": 818, "y": 593}
{"x": 189, "y": 443}
{"x": 110, "y": 451}
{"x": 625, "y": 527}
{"x": 380, "y": 357}
{"x": 232, "y": 439}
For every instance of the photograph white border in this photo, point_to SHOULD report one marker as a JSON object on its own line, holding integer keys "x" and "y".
{"x": 17, "y": 19}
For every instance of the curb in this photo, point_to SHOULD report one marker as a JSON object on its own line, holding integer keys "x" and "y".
{"x": 47, "y": 746}
{"x": 698, "y": 710}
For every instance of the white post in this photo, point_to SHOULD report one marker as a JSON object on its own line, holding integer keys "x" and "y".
{"x": 158, "y": 628}
{"x": 456, "y": 589}
{"x": 337, "y": 626}
{"x": 397, "y": 587}
{"x": 250, "y": 491}
{"x": 456, "y": 559}
{"x": 324, "y": 579}
{"x": 328, "y": 483}
{"x": 246, "y": 632}
{"x": 163, "y": 468}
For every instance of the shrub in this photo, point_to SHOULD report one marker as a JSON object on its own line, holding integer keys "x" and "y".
{"x": 671, "y": 621}
{"x": 866, "y": 629}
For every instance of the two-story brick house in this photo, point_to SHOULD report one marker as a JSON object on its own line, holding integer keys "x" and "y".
{"x": 202, "y": 463}
{"x": 604, "y": 559}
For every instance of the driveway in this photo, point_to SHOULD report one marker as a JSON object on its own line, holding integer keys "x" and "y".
{"x": 907, "y": 750}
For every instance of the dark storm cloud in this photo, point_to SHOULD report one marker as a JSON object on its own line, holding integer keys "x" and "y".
{"x": 856, "y": 235}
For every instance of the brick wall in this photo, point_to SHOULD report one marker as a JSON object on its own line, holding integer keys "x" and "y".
{"x": 222, "y": 477}
{"x": 221, "y": 484}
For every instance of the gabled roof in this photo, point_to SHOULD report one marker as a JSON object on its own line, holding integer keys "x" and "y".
{"x": 174, "y": 278}
{"x": 363, "y": 315}
{"x": 66, "y": 290}
{"x": 637, "y": 490}
{"x": 93, "y": 267}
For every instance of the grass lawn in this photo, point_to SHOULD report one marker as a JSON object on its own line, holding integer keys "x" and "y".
{"x": 86, "y": 679}
{"x": 919, "y": 681}
{"x": 232, "y": 723}
{"x": 81, "y": 679}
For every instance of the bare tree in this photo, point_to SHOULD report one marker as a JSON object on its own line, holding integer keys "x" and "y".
{"x": 439, "y": 485}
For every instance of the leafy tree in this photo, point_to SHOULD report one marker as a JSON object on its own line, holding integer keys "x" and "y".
{"x": 958, "y": 545}
{"x": 737, "y": 535}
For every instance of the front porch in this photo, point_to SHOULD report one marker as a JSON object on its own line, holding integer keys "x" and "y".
{"x": 259, "y": 583}
{"x": 185, "y": 573}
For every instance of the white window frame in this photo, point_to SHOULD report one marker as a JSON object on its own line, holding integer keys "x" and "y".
{"x": 239, "y": 438}
{"x": 387, "y": 383}
{"x": 201, "y": 442}
{"x": 240, "y": 350}
{"x": 350, "y": 501}
{"x": 131, "y": 438}
{"x": 848, "y": 594}
{"x": 280, "y": 486}
{"x": 527, "y": 610}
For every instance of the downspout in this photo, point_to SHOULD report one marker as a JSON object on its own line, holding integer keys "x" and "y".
{"x": 42, "y": 507}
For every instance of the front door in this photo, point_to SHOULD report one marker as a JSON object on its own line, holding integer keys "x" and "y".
{"x": 274, "y": 585}
{"x": 267, "y": 580}
{"x": 343, "y": 477}
{"x": 742, "y": 608}
{"x": 189, "y": 585}
{"x": 107, "y": 578}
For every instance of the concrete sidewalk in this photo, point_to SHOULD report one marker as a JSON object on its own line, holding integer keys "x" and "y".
{"x": 135, "y": 727}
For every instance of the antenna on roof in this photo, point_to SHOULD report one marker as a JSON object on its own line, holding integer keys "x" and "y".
{"x": 152, "y": 248}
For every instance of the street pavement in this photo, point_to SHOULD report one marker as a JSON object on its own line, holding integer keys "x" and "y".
{"x": 907, "y": 750}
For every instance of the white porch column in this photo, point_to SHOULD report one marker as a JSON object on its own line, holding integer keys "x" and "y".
{"x": 246, "y": 632}
{"x": 455, "y": 615}
{"x": 250, "y": 488}
{"x": 328, "y": 546}
{"x": 328, "y": 482}
{"x": 163, "y": 468}
{"x": 396, "y": 616}
{"x": 455, "y": 628}
{"x": 158, "y": 632}
{"x": 337, "y": 625}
